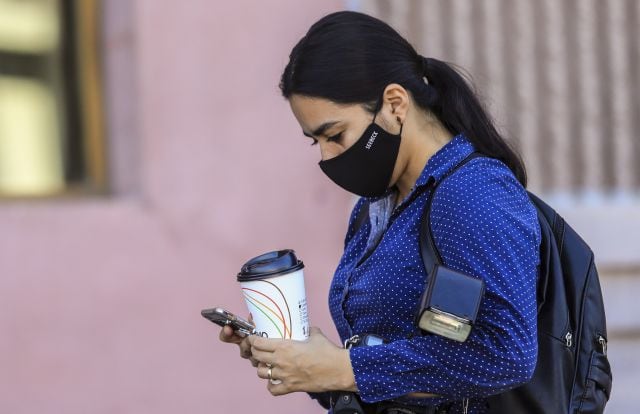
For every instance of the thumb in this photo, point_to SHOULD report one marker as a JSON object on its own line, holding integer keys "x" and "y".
{"x": 314, "y": 330}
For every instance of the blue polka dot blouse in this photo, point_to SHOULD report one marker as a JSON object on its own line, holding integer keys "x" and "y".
{"x": 484, "y": 225}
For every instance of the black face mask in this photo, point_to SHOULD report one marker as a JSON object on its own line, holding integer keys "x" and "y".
{"x": 366, "y": 167}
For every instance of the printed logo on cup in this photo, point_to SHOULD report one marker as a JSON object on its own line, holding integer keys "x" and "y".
{"x": 273, "y": 288}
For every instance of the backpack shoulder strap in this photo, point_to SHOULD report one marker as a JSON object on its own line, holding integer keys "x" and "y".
{"x": 428, "y": 250}
{"x": 363, "y": 215}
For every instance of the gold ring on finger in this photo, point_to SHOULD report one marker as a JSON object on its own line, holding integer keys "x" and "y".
{"x": 270, "y": 375}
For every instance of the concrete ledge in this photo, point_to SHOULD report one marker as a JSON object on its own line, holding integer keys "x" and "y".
{"x": 611, "y": 227}
{"x": 622, "y": 302}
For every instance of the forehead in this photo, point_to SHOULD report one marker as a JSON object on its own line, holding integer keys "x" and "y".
{"x": 312, "y": 112}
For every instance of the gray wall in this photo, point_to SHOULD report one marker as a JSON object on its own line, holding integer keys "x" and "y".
{"x": 560, "y": 76}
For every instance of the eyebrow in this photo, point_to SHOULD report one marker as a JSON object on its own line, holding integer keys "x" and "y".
{"x": 321, "y": 129}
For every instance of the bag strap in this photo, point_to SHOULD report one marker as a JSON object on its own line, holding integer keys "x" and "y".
{"x": 363, "y": 214}
{"x": 428, "y": 250}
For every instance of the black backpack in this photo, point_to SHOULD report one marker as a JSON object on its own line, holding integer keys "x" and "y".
{"x": 572, "y": 375}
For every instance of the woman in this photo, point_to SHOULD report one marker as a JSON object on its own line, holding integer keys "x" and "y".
{"x": 389, "y": 123}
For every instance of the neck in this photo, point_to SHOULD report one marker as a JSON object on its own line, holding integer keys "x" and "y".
{"x": 428, "y": 138}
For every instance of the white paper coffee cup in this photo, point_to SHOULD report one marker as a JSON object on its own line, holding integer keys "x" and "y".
{"x": 273, "y": 288}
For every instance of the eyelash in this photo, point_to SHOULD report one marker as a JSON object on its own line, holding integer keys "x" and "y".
{"x": 334, "y": 138}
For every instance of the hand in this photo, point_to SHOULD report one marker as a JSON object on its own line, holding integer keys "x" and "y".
{"x": 228, "y": 335}
{"x": 314, "y": 365}
{"x": 422, "y": 395}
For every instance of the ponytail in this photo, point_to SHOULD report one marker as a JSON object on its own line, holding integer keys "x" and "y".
{"x": 453, "y": 102}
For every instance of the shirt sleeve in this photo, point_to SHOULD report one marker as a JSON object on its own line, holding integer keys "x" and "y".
{"x": 483, "y": 225}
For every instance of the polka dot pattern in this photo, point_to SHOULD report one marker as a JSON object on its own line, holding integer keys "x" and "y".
{"x": 484, "y": 225}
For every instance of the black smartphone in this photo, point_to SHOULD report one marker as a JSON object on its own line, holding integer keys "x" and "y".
{"x": 223, "y": 317}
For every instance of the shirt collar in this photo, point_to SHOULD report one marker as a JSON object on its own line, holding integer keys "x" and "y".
{"x": 445, "y": 159}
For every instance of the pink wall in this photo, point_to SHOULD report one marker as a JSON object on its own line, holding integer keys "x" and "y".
{"x": 100, "y": 297}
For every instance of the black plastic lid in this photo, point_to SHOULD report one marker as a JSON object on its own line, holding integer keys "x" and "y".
{"x": 269, "y": 265}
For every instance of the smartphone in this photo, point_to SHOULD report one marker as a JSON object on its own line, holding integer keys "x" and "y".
{"x": 223, "y": 317}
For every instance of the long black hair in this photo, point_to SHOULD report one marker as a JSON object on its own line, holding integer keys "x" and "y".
{"x": 349, "y": 58}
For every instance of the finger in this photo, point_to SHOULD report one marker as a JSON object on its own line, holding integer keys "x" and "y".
{"x": 275, "y": 385}
{"x": 245, "y": 349}
{"x": 244, "y": 354}
{"x": 264, "y": 357}
{"x": 228, "y": 335}
{"x": 422, "y": 395}
{"x": 254, "y": 361}
{"x": 225, "y": 335}
{"x": 279, "y": 388}
{"x": 263, "y": 371}
{"x": 314, "y": 330}
{"x": 264, "y": 344}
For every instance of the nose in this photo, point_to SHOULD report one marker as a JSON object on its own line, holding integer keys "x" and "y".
{"x": 323, "y": 152}
{"x": 327, "y": 151}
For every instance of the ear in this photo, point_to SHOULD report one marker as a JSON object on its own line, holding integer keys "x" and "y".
{"x": 395, "y": 101}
